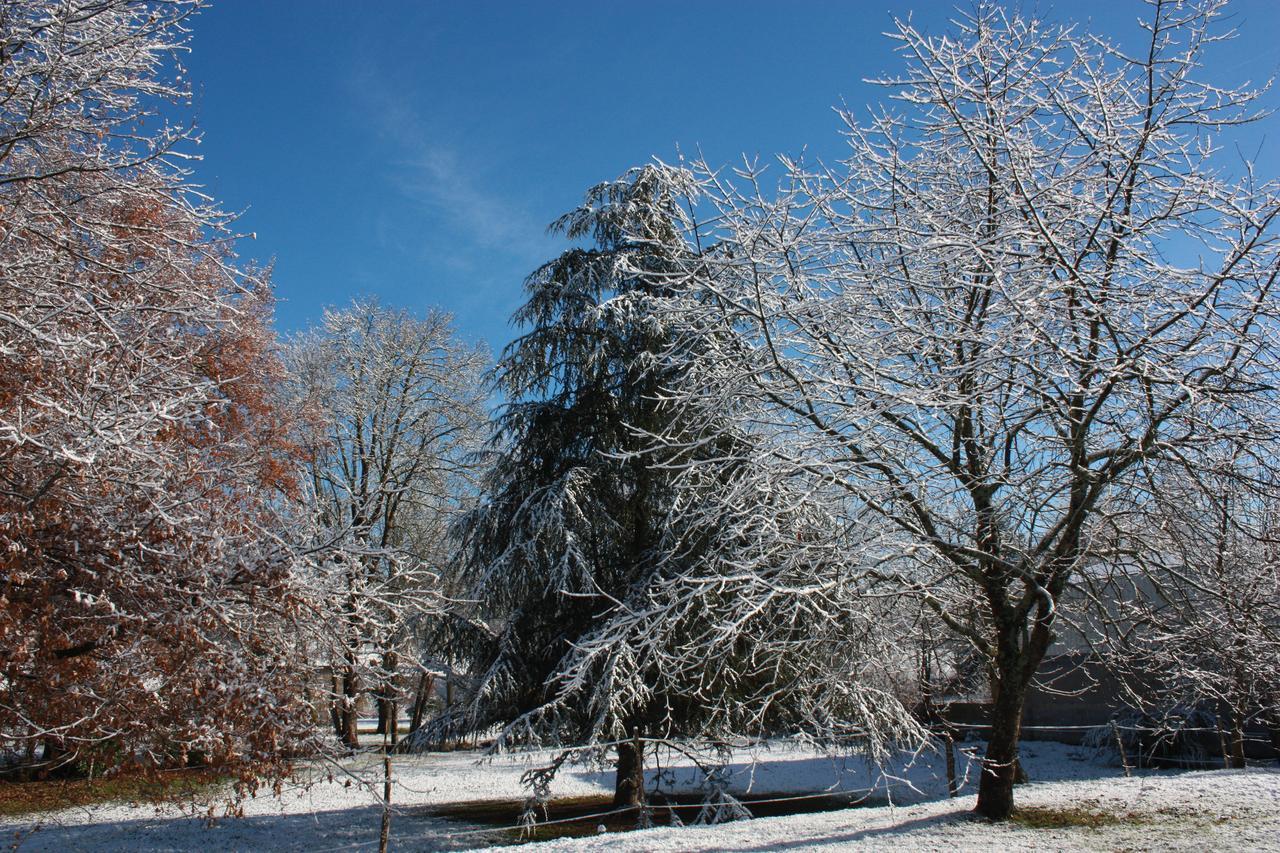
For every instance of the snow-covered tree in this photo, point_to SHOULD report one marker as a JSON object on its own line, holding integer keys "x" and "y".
{"x": 624, "y": 595}
{"x": 746, "y": 623}
{"x": 395, "y": 403}
{"x": 1190, "y": 618}
{"x": 1026, "y": 287}
{"x": 146, "y": 594}
{"x": 566, "y": 519}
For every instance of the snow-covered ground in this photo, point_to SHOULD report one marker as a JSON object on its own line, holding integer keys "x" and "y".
{"x": 1216, "y": 810}
{"x": 909, "y": 809}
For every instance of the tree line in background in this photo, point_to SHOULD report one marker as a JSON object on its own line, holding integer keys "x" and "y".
{"x": 775, "y": 455}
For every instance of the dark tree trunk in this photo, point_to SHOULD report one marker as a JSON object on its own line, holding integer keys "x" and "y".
{"x": 55, "y": 760}
{"x": 1237, "y": 742}
{"x": 384, "y": 715}
{"x": 349, "y": 713}
{"x": 384, "y": 835}
{"x": 628, "y": 788}
{"x": 1016, "y": 664}
{"x": 1021, "y": 639}
{"x": 936, "y": 721}
{"x": 423, "y": 695}
{"x": 351, "y": 727}
{"x": 1000, "y": 767}
{"x": 387, "y": 696}
{"x": 949, "y": 744}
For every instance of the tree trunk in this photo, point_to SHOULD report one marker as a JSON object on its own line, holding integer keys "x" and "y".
{"x": 351, "y": 728}
{"x": 628, "y": 787}
{"x": 335, "y": 706}
{"x": 1000, "y": 767}
{"x": 388, "y": 694}
{"x": 423, "y": 695}
{"x": 384, "y": 715}
{"x": 54, "y": 759}
{"x": 350, "y": 713}
{"x": 949, "y": 744}
{"x": 1237, "y": 742}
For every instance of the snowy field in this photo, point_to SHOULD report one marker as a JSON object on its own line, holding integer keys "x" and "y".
{"x": 1157, "y": 810}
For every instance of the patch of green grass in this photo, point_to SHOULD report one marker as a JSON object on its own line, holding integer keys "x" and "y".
{"x": 1064, "y": 817}
{"x": 22, "y": 798}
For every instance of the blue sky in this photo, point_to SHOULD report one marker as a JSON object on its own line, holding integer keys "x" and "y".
{"x": 417, "y": 150}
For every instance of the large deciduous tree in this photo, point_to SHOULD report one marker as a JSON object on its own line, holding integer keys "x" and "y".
{"x": 395, "y": 403}
{"x": 1026, "y": 287}
{"x": 145, "y": 592}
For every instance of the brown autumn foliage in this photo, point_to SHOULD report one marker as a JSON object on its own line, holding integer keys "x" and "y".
{"x": 148, "y": 596}
{"x": 145, "y": 599}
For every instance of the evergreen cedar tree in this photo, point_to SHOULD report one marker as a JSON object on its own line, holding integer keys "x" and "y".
{"x": 568, "y": 514}
{"x": 608, "y": 571}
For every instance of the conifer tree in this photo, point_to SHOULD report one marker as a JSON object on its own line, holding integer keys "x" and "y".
{"x": 570, "y": 508}
{"x": 622, "y": 594}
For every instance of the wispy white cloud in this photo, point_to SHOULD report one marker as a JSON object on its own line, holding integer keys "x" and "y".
{"x": 444, "y": 182}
